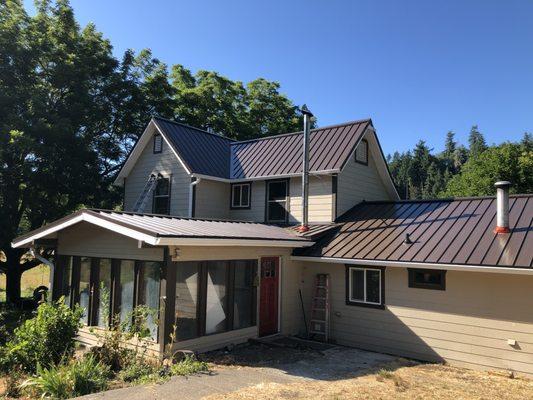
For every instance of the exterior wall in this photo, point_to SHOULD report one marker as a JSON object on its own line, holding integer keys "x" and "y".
{"x": 167, "y": 164}
{"x": 358, "y": 182}
{"x": 212, "y": 200}
{"x": 85, "y": 239}
{"x": 468, "y": 324}
{"x": 290, "y": 276}
{"x": 320, "y": 199}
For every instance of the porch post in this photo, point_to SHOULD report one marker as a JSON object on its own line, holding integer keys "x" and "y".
{"x": 167, "y": 301}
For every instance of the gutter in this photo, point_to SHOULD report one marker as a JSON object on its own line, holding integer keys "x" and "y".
{"x": 401, "y": 264}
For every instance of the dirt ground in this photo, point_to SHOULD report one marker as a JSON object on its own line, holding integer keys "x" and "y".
{"x": 400, "y": 379}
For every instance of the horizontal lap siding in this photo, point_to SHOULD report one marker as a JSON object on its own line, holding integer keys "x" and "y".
{"x": 212, "y": 199}
{"x": 320, "y": 199}
{"x": 257, "y": 207}
{"x": 85, "y": 239}
{"x": 468, "y": 324}
{"x": 358, "y": 182}
{"x": 165, "y": 163}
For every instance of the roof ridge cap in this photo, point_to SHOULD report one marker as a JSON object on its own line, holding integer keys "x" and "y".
{"x": 193, "y": 127}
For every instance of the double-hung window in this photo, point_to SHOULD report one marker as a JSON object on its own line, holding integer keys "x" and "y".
{"x": 161, "y": 200}
{"x": 240, "y": 195}
{"x": 365, "y": 286}
{"x": 277, "y": 195}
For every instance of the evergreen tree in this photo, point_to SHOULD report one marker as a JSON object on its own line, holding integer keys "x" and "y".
{"x": 476, "y": 142}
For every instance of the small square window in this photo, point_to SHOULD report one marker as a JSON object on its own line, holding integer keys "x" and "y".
{"x": 427, "y": 279}
{"x": 158, "y": 144}
{"x": 240, "y": 195}
{"x": 361, "y": 152}
{"x": 365, "y": 286}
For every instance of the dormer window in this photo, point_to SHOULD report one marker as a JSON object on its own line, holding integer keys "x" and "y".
{"x": 240, "y": 195}
{"x": 361, "y": 152}
{"x": 158, "y": 144}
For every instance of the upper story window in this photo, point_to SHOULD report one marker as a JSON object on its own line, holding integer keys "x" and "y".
{"x": 161, "y": 200}
{"x": 158, "y": 143}
{"x": 427, "y": 279}
{"x": 365, "y": 286}
{"x": 361, "y": 152}
{"x": 241, "y": 195}
{"x": 277, "y": 201}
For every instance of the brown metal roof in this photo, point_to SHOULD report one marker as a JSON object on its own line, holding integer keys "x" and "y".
{"x": 214, "y": 155}
{"x": 451, "y": 231}
{"x": 163, "y": 226}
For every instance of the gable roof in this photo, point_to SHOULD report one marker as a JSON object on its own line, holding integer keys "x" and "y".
{"x": 166, "y": 230}
{"x": 447, "y": 232}
{"x": 207, "y": 154}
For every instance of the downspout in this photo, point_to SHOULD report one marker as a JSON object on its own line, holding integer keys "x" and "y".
{"x": 193, "y": 183}
{"x": 52, "y": 270}
{"x": 304, "y": 227}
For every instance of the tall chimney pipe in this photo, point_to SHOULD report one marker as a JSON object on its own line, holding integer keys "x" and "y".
{"x": 304, "y": 227}
{"x": 502, "y": 207}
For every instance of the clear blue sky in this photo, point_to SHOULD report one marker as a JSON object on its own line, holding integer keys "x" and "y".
{"x": 417, "y": 68}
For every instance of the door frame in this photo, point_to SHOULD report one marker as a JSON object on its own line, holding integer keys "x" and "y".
{"x": 280, "y": 259}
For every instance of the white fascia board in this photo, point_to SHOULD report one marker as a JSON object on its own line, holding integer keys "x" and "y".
{"x": 163, "y": 241}
{"x": 266, "y": 177}
{"x": 401, "y": 264}
{"x": 92, "y": 219}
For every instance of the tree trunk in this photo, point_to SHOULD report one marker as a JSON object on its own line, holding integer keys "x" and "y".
{"x": 13, "y": 278}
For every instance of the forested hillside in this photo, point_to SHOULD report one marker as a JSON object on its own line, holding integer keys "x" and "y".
{"x": 460, "y": 171}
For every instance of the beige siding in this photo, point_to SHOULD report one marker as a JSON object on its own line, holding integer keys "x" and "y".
{"x": 358, "y": 182}
{"x": 168, "y": 165}
{"x": 467, "y": 324}
{"x": 257, "y": 208}
{"x": 85, "y": 239}
{"x": 320, "y": 199}
{"x": 212, "y": 199}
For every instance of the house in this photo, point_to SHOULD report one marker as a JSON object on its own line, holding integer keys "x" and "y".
{"x": 215, "y": 236}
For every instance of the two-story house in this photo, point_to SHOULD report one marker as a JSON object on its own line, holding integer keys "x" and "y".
{"x": 209, "y": 238}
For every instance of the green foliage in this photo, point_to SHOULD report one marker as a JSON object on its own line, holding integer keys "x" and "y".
{"x": 188, "y": 366}
{"x": 139, "y": 371}
{"x": 44, "y": 339}
{"x": 509, "y": 161}
{"x": 64, "y": 381}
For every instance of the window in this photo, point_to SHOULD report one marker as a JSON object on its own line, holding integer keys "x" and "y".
{"x": 149, "y": 280}
{"x": 161, "y": 200}
{"x": 66, "y": 280}
{"x": 214, "y": 297}
{"x": 361, "y": 152}
{"x": 276, "y": 208}
{"x": 84, "y": 288}
{"x": 103, "y": 310}
{"x": 240, "y": 195}
{"x": 427, "y": 279}
{"x": 158, "y": 144}
{"x": 126, "y": 289}
{"x": 365, "y": 286}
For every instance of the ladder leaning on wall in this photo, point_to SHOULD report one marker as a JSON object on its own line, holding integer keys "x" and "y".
{"x": 320, "y": 309}
{"x": 143, "y": 197}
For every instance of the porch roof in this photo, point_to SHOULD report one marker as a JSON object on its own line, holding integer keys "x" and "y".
{"x": 164, "y": 230}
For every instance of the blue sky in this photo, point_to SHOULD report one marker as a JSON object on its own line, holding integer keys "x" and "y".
{"x": 417, "y": 68}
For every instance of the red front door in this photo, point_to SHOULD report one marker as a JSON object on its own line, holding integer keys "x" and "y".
{"x": 268, "y": 297}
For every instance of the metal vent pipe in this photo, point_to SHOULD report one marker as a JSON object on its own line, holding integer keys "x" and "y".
{"x": 304, "y": 227}
{"x": 502, "y": 207}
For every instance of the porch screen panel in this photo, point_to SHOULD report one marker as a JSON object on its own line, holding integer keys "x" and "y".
{"x": 187, "y": 281}
{"x": 66, "y": 279}
{"x": 149, "y": 292}
{"x": 126, "y": 289}
{"x": 104, "y": 293}
{"x": 216, "y": 308}
{"x": 243, "y": 303}
{"x": 85, "y": 288}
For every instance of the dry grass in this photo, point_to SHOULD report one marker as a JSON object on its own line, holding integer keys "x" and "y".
{"x": 31, "y": 279}
{"x": 398, "y": 381}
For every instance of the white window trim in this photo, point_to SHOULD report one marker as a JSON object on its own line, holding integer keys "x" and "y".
{"x": 364, "y": 301}
{"x": 286, "y": 201}
{"x": 240, "y": 205}
{"x": 157, "y": 196}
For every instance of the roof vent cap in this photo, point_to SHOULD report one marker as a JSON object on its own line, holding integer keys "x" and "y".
{"x": 408, "y": 239}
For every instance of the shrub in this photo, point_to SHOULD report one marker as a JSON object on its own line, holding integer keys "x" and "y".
{"x": 188, "y": 366}
{"x": 64, "y": 381}
{"x": 44, "y": 339}
{"x": 138, "y": 371}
